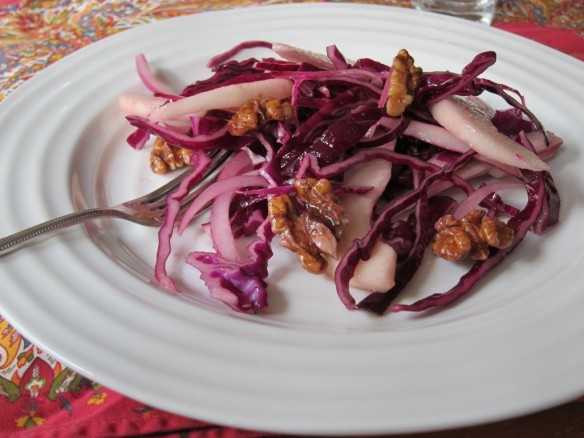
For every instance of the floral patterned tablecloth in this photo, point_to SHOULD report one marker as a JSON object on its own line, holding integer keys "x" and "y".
{"x": 39, "y": 396}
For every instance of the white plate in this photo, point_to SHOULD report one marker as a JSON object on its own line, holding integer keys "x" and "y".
{"x": 307, "y": 365}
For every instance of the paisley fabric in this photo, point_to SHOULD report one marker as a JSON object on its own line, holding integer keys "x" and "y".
{"x": 34, "y": 34}
{"x": 39, "y": 396}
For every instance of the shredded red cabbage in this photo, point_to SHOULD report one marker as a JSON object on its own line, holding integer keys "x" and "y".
{"x": 339, "y": 123}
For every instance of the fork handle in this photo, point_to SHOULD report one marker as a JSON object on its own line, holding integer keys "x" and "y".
{"x": 19, "y": 239}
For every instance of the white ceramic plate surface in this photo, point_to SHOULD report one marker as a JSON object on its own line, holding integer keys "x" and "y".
{"x": 307, "y": 365}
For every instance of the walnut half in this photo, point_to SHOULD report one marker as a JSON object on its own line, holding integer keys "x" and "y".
{"x": 165, "y": 157}
{"x": 470, "y": 236}
{"x": 404, "y": 80}
{"x": 257, "y": 113}
{"x": 315, "y": 230}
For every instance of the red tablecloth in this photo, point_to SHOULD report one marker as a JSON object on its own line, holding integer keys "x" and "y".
{"x": 38, "y": 395}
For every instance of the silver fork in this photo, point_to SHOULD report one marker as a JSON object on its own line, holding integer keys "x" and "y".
{"x": 148, "y": 210}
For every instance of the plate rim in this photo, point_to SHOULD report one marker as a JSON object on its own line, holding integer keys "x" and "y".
{"x": 82, "y": 54}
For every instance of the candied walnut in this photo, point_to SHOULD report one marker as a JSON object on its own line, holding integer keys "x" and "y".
{"x": 471, "y": 223}
{"x": 244, "y": 120}
{"x": 286, "y": 222}
{"x": 404, "y": 80}
{"x": 277, "y": 110}
{"x": 315, "y": 231}
{"x": 165, "y": 157}
{"x": 257, "y": 113}
{"x": 497, "y": 233}
{"x": 321, "y": 202}
{"x": 452, "y": 243}
{"x": 281, "y": 212}
{"x": 470, "y": 236}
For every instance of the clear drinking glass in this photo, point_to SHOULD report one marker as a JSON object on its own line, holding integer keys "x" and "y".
{"x": 481, "y": 11}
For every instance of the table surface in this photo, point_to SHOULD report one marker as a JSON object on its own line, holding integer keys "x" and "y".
{"x": 30, "y": 31}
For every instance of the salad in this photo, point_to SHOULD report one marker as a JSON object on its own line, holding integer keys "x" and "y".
{"x": 362, "y": 168}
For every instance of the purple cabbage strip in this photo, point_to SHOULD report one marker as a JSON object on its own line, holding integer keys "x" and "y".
{"x": 223, "y": 57}
{"x": 510, "y": 122}
{"x": 400, "y": 235}
{"x": 361, "y": 248}
{"x": 371, "y": 65}
{"x": 549, "y": 212}
{"x": 229, "y": 71}
{"x": 541, "y": 212}
{"x": 332, "y": 170}
{"x": 242, "y": 286}
{"x": 277, "y": 65}
{"x": 247, "y": 207}
{"x": 502, "y": 91}
{"x": 550, "y": 205}
{"x": 431, "y": 211}
{"x": 209, "y": 124}
{"x": 218, "y": 140}
{"x": 390, "y": 131}
{"x": 138, "y": 138}
{"x": 340, "y": 136}
{"x": 496, "y": 207}
{"x": 291, "y": 152}
{"x": 221, "y": 80}
{"x": 200, "y": 163}
{"x": 337, "y": 58}
{"x": 440, "y": 85}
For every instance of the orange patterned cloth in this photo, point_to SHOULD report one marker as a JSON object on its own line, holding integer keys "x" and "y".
{"x": 39, "y": 396}
{"x": 36, "y": 33}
